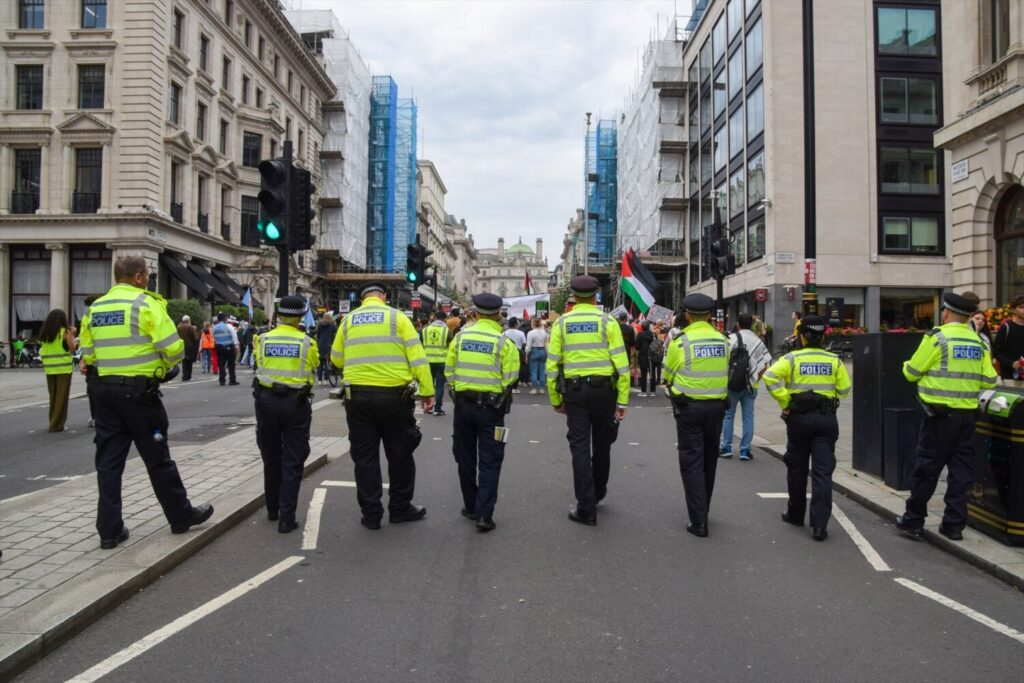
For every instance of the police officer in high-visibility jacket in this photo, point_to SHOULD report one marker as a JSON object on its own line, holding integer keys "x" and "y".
{"x": 482, "y": 366}
{"x": 808, "y": 384}
{"x": 380, "y": 355}
{"x": 436, "y": 338}
{"x": 282, "y": 387}
{"x": 951, "y": 366}
{"x": 697, "y": 375}
{"x": 134, "y": 344}
{"x": 588, "y": 382}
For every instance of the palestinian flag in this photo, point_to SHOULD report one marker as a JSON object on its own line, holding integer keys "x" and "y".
{"x": 637, "y": 282}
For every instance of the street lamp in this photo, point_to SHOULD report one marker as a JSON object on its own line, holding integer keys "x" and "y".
{"x": 586, "y": 197}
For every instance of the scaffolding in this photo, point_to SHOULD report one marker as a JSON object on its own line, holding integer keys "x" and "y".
{"x": 380, "y": 203}
{"x": 405, "y": 181}
{"x": 601, "y": 188}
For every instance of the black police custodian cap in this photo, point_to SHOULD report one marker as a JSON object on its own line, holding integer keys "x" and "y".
{"x": 584, "y": 285}
{"x": 813, "y": 325}
{"x": 372, "y": 286}
{"x": 959, "y": 305}
{"x": 698, "y": 303}
{"x": 291, "y": 305}
{"x": 487, "y": 303}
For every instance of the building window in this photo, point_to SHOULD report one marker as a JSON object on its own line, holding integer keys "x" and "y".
{"x": 754, "y": 49}
{"x": 174, "y": 107}
{"x": 30, "y": 13}
{"x": 261, "y": 47}
{"x": 755, "y": 112}
{"x": 204, "y": 53}
{"x": 737, "y": 193}
{"x": 94, "y": 13}
{"x": 735, "y": 12}
{"x": 200, "y": 121}
{"x": 751, "y": 6}
{"x": 755, "y": 179}
{"x": 259, "y": 98}
{"x": 694, "y": 173}
{"x": 287, "y": 128}
{"x": 250, "y": 215}
{"x": 999, "y": 24}
{"x": 229, "y": 12}
{"x": 755, "y": 239}
{"x": 915, "y": 234}
{"x": 302, "y": 96}
{"x": 90, "y": 86}
{"x": 290, "y": 80}
{"x": 277, "y": 67}
{"x": 735, "y": 73}
{"x": 736, "y": 243}
{"x": 909, "y": 100}
{"x": 906, "y": 31}
{"x": 252, "y": 147}
{"x": 245, "y": 89}
{"x": 223, "y": 145}
{"x": 225, "y": 74}
{"x": 301, "y": 146}
{"x": 202, "y": 219}
{"x": 705, "y": 113}
{"x": 177, "y": 29}
{"x": 736, "y": 132}
{"x": 909, "y": 170}
{"x": 705, "y": 61}
{"x": 176, "y": 208}
{"x": 718, "y": 39}
{"x": 1009, "y": 233}
{"x": 27, "y": 173}
{"x": 225, "y": 210}
{"x": 30, "y": 86}
{"x": 247, "y": 34}
{"x": 718, "y": 88}
{"x": 721, "y": 148}
{"x": 88, "y": 180}
{"x": 705, "y": 164}
{"x": 273, "y": 149}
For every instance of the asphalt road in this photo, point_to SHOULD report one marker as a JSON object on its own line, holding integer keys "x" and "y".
{"x": 32, "y": 458}
{"x": 543, "y": 599}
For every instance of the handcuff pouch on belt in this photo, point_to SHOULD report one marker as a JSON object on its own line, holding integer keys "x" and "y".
{"x": 809, "y": 402}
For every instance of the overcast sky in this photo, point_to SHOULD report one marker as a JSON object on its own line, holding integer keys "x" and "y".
{"x": 502, "y": 88}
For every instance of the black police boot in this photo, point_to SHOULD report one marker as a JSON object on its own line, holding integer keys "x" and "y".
{"x": 700, "y": 530}
{"x": 952, "y": 533}
{"x": 819, "y": 534}
{"x": 578, "y": 517}
{"x": 111, "y": 543}
{"x": 485, "y": 524}
{"x": 790, "y": 518}
{"x": 286, "y": 526}
{"x": 272, "y": 514}
{"x": 467, "y": 514}
{"x": 912, "y": 531}
{"x": 414, "y": 514}
{"x": 200, "y": 513}
{"x": 371, "y": 524}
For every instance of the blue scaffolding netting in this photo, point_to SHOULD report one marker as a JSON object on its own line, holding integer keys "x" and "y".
{"x": 601, "y": 188}
{"x": 380, "y": 215}
{"x": 405, "y": 181}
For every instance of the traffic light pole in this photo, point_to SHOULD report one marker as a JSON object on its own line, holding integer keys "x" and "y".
{"x": 282, "y": 249}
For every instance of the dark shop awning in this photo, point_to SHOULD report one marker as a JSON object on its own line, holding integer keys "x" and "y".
{"x": 185, "y": 276}
{"x": 234, "y": 285}
{"x": 220, "y": 291}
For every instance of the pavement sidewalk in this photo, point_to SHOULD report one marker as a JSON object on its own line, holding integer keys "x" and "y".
{"x": 55, "y": 579}
{"x": 1003, "y": 561}
{"x": 25, "y": 387}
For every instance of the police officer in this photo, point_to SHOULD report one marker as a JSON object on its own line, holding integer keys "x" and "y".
{"x": 436, "y": 338}
{"x": 951, "y": 366}
{"x": 225, "y": 341}
{"x": 380, "y": 356}
{"x": 283, "y": 391}
{"x": 588, "y": 382}
{"x": 808, "y": 384}
{"x": 697, "y": 375}
{"x": 133, "y": 343}
{"x": 482, "y": 366}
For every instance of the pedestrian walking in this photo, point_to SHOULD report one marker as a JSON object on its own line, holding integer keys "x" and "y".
{"x": 325, "y": 333}
{"x": 951, "y": 366}
{"x": 134, "y": 344}
{"x": 808, "y": 384}
{"x": 283, "y": 392}
{"x": 519, "y": 339}
{"x": 190, "y": 337}
{"x": 656, "y": 356}
{"x": 245, "y": 342}
{"x": 643, "y": 357}
{"x": 748, "y": 360}
{"x": 588, "y": 382}
{"x": 436, "y": 338}
{"x": 482, "y": 365}
{"x": 381, "y": 357}
{"x": 1008, "y": 345}
{"x": 697, "y": 373}
{"x": 225, "y": 340}
{"x": 537, "y": 355}
{"x": 207, "y": 346}
{"x": 58, "y": 344}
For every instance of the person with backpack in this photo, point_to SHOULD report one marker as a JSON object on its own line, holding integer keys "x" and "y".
{"x": 747, "y": 362}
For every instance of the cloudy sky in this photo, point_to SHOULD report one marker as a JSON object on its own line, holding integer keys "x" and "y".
{"x": 502, "y": 88}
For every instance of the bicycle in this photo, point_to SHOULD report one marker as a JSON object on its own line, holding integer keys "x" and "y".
{"x": 332, "y": 373}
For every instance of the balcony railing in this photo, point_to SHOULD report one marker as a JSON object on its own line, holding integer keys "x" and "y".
{"x": 24, "y": 202}
{"x": 85, "y": 202}
{"x": 177, "y": 212}
{"x": 225, "y": 231}
{"x": 203, "y": 221}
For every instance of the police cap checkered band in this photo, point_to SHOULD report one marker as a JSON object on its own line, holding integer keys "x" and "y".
{"x": 958, "y": 304}
{"x": 584, "y": 285}
{"x": 813, "y": 324}
{"x": 372, "y": 287}
{"x": 698, "y": 303}
{"x": 487, "y": 303}
{"x": 291, "y": 305}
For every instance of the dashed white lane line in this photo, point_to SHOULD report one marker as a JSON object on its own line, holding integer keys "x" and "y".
{"x": 532, "y": 441}
{"x": 866, "y": 549}
{"x": 156, "y": 637}
{"x": 437, "y": 438}
{"x": 963, "y": 609}
{"x": 633, "y": 443}
{"x": 344, "y": 484}
{"x": 311, "y": 531}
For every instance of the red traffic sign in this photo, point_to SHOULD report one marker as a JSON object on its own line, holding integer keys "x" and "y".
{"x": 760, "y": 295}
{"x": 416, "y": 303}
{"x": 446, "y": 307}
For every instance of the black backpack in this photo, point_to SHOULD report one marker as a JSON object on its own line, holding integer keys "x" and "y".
{"x": 739, "y": 366}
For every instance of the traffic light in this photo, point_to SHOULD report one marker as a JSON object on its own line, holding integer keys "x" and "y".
{"x": 275, "y": 180}
{"x": 722, "y": 262}
{"x": 416, "y": 266}
{"x": 301, "y": 213}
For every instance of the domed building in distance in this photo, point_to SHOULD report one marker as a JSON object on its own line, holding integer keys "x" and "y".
{"x": 503, "y": 271}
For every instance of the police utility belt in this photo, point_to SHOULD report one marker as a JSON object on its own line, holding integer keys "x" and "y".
{"x": 596, "y": 381}
{"x": 281, "y": 389}
{"x": 809, "y": 402}
{"x": 140, "y": 385}
{"x": 490, "y": 399}
{"x": 407, "y": 391}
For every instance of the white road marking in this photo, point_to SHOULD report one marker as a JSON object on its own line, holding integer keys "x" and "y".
{"x": 531, "y": 441}
{"x": 437, "y": 438}
{"x": 312, "y": 530}
{"x": 776, "y": 495}
{"x": 41, "y": 476}
{"x": 633, "y": 443}
{"x": 156, "y": 637}
{"x": 963, "y": 609}
{"x": 866, "y": 549}
{"x": 346, "y": 484}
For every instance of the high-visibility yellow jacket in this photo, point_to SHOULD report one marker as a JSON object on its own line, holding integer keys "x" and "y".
{"x": 586, "y": 342}
{"x": 377, "y": 346}
{"x": 697, "y": 363}
{"x": 286, "y": 355}
{"x": 435, "y": 341}
{"x": 482, "y": 359}
{"x": 951, "y": 366}
{"x": 128, "y": 332}
{"x": 56, "y": 360}
{"x": 810, "y": 369}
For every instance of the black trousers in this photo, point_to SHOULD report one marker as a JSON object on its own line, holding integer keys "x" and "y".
{"x": 282, "y": 433}
{"x": 388, "y": 418}
{"x": 90, "y": 389}
{"x": 811, "y": 438}
{"x": 473, "y": 444}
{"x": 590, "y": 414}
{"x": 186, "y": 368}
{"x": 226, "y": 362}
{"x": 122, "y": 417}
{"x": 698, "y": 430}
{"x": 944, "y": 441}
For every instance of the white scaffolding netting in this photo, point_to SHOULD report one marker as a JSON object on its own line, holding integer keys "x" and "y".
{"x": 651, "y": 160}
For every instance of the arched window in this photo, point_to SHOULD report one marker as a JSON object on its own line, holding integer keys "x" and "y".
{"x": 1009, "y": 233}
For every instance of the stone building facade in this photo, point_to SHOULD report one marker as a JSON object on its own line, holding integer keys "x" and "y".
{"x": 503, "y": 272}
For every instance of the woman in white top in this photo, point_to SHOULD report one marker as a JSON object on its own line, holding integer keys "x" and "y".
{"x": 537, "y": 355}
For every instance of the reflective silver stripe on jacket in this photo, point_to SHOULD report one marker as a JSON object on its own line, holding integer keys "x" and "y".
{"x": 946, "y": 393}
{"x": 166, "y": 341}
{"x": 712, "y": 374}
{"x": 586, "y": 364}
{"x": 390, "y": 358}
{"x": 125, "y": 362}
{"x": 913, "y": 371}
{"x": 120, "y": 341}
{"x": 136, "y": 313}
{"x": 812, "y": 386}
{"x": 378, "y": 339}
{"x": 472, "y": 379}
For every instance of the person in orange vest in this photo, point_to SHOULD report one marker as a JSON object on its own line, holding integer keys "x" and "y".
{"x": 206, "y": 348}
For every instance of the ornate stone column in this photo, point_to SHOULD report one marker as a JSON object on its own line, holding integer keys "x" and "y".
{"x": 6, "y": 179}
{"x": 59, "y": 276}
{"x": 6, "y": 304}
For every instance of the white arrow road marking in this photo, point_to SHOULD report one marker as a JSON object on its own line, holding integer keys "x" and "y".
{"x": 963, "y": 609}
{"x": 346, "y": 484}
{"x": 312, "y": 528}
{"x": 156, "y": 637}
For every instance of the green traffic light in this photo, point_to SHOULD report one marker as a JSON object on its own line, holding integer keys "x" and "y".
{"x": 272, "y": 232}
{"x": 412, "y": 277}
